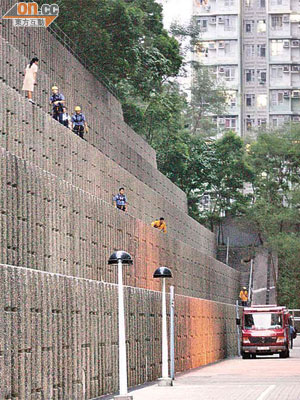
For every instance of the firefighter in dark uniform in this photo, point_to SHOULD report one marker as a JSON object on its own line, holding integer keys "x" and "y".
{"x": 79, "y": 122}
{"x": 57, "y": 100}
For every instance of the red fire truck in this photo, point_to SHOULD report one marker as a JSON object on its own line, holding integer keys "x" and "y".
{"x": 265, "y": 330}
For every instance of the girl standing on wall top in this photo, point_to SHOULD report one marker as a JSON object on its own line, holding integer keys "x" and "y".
{"x": 30, "y": 78}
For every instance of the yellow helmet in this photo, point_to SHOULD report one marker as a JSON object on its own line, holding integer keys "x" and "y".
{"x": 77, "y": 108}
{"x": 54, "y": 88}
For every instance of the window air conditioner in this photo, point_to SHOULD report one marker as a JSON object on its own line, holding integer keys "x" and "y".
{"x": 286, "y": 68}
{"x": 295, "y": 68}
{"x": 221, "y": 45}
{"x": 211, "y": 46}
{"x": 207, "y": 8}
{"x": 286, "y": 18}
{"x": 286, "y": 43}
{"x": 296, "y": 94}
{"x": 212, "y": 20}
{"x": 221, "y": 70}
{"x": 295, "y": 43}
{"x": 221, "y": 20}
{"x": 221, "y": 121}
{"x": 286, "y": 95}
{"x": 296, "y": 119}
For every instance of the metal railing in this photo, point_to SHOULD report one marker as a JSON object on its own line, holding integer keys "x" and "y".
{"x": 73, "y": 48}
{"x": 250, "y": 283}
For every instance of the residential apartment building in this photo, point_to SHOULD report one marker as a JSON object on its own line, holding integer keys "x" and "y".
{"x": 253, "y": 48}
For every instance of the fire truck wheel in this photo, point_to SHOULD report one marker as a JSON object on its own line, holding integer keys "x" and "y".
{"x": 245, "y": 356}
{"x": 285, "y": 354}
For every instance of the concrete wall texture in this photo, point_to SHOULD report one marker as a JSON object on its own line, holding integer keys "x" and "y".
{"x": 58, "y": 331}
{"x": 33, "y": 135}
{"x": 51, "y": 225}
{"x": 59, "y": 337}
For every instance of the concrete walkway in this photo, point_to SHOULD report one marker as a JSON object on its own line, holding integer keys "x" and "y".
{"x": 264, "y": 378}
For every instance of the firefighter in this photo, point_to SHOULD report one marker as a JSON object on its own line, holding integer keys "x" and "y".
{"x": 57, "y": 100}
{"x": 79, "y": 122}
{"x": 120, "y": 200}
{"x": 244, "y": 296}
{"x": 160, "y": 225}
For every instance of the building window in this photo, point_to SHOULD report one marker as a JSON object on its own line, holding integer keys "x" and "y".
{"x": 262, "y": 101}
{"x": 261, "y": 50}
{"x": 249, "y": 75}
{"x": 261, "y": 26}
{"x": 262, "y": 3}
{"x": 229, "y": 3}
{"x": 229, "y": 73}
{"x": 227, "y": 48}
{"x": 249, "y": 26}
{"x": 277, "y": 98}
{"x": 231, "y": 98}
{"x": 230, "y": 123}
{"x": 262, "y": 121}
{"x": 233, "y": 101}
{"x": 249, "y": 50}
{"x": 280, "y": 120}
{"x": 203, "y": 24}
{"x": 262, "y": 76}
{"x": 277, "y": 72}
{"x": 276, "y": 21}
{"x": 229, "y": 23}
{"x": 277, "y": 47}
{"x": 249, "y": 124}
{"x": 250, "y": 100}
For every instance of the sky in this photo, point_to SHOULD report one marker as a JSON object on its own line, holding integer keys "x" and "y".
{"x": 179, "y": 10}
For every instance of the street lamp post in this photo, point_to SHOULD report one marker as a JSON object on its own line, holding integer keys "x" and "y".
{"x": 165, "y": 380}
{"x": 120, "y": 258}
{"x": 172, "y": 338}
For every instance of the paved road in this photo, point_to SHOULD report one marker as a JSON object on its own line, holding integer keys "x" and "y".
{"x": 264, "y": 378}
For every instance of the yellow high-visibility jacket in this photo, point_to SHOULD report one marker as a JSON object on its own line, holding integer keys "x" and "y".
{"x": 244, "y": 295}
{"x": 159, "y": 225}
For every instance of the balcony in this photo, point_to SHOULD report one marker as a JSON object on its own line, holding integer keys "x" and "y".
{"x": 280, "y": 51}
{"x": 282, "y": 106}
{"x": 280, "y": 25}
{"x": 202, "y": 7}
{"x": 279, "y": 6}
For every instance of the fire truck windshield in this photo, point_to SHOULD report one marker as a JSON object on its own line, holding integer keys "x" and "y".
{"x": 263, "y": 321}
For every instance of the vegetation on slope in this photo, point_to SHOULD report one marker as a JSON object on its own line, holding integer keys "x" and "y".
{"x": 126, "y": 42}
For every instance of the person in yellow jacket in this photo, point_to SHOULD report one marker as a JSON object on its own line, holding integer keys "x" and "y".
{"x": 244, "y": 296}
{"x": 160, "y": 224}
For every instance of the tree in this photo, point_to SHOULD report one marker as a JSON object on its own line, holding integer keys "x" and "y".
{"x": 208, "y": 100}
{"x": 208, "y": 95}
{"x": 163, "y": 125}
{"x": 275, "y": 159}
{"x": 215, "y": 168}
{"x": 126, "y": 42}
{"x": 228, "y": 172}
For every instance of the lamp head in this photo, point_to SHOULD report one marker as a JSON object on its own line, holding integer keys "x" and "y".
{"x": 162, "y": 272}
{"x": 120, "y": 255}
